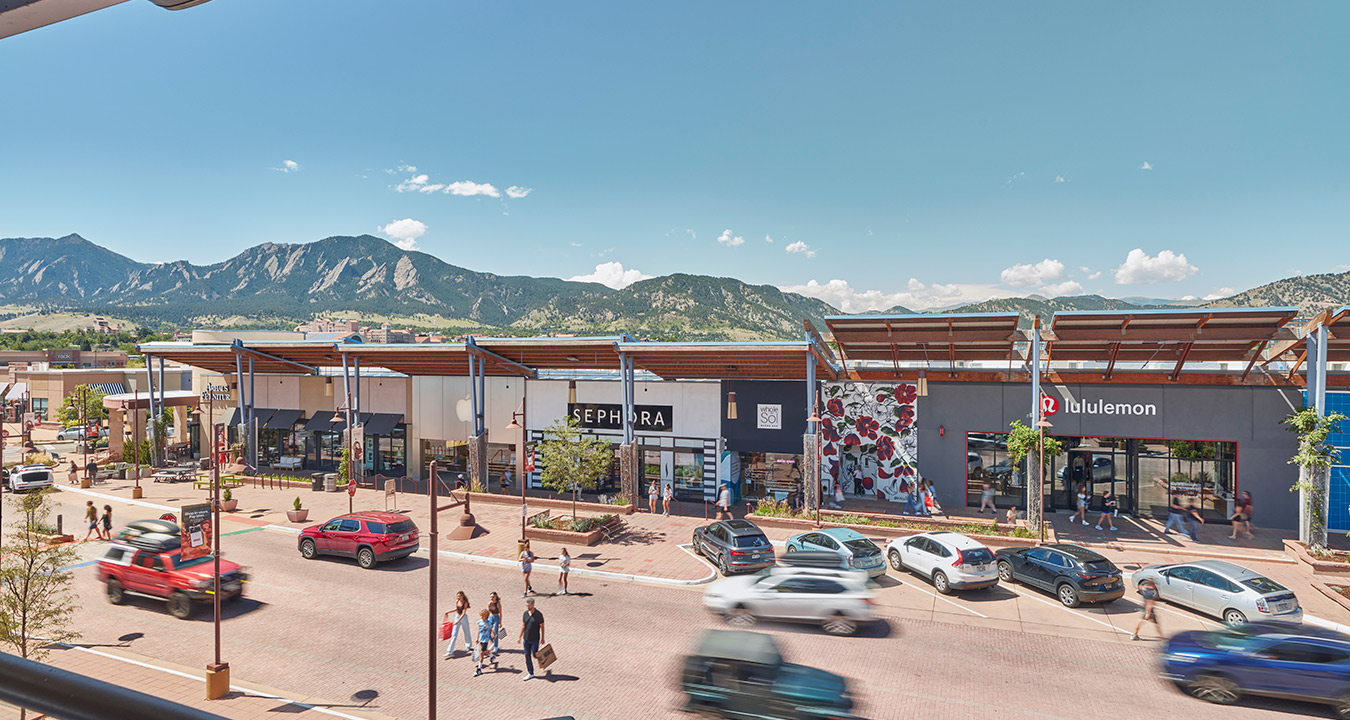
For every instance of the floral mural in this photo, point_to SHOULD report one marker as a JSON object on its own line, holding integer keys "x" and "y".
{"x": 873, "y": 425}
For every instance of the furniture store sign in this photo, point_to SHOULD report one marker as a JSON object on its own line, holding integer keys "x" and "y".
{"x": 609, "y": 416}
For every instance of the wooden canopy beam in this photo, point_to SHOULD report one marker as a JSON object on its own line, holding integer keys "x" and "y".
{"x": 1185, "y": 353}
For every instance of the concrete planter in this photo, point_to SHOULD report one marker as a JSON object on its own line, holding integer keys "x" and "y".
{"x": 229, "y": 505}
{"x": 567, "y": 537}
{"x": 46, "y": 539}
{"x": 594, "y": 508}
{"x": 1319, "y": 566}
{"x": 298, "y": 516}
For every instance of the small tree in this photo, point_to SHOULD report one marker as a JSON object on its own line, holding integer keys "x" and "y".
{"x": 1023, "y": 444}
{"x": 69, "y": 412}
{"x": 572, "y": 459}
{"x": 1314, "y": 459}
{"x": 36, "y": 599}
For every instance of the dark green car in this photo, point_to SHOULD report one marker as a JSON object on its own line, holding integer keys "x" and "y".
{"x": 739, "y": 674}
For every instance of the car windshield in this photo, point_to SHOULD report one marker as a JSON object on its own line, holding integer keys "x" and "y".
{"x": 402, "y": 526}
{"x": 750, "y": 540}
{"x": 863, "y": 546}
{"x": 1229, "y": 640}
{"x": 1263, "y": 585}
{"x": 179, "y": 563}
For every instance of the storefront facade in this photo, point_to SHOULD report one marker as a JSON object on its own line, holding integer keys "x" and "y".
{"x": 762, "y": 423}
{"x": 1143, "y": 442}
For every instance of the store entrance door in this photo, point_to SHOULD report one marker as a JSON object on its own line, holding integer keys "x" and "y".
{"x": 1076, "y": 471}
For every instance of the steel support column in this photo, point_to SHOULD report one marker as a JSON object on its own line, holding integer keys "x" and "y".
{"x": 628, "y": 466}
{"x": 812, "y": 479}
{"x": 150, "y": 408}
{"x": 1035, "y": 491}
{"x": 251, "y": 423}
{"x": 239, "y": 383}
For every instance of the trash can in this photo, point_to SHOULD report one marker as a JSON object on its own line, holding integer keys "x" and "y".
{"x": 316, "y": 482}
{"x": 330, "y": 482}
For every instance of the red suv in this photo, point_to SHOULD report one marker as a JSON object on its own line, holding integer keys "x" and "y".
{"x": 145, "y": 559}
{"x": 370, "y": 537}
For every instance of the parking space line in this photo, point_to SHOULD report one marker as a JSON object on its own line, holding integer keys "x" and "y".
{"x": 1061, "y": 606}
{"x": 943, "y": 599}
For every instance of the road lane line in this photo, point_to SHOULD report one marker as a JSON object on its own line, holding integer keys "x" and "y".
{"x": 943, "y": 599}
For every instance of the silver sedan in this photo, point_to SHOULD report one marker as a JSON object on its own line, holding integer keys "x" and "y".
{"x": 1223, "y": 590}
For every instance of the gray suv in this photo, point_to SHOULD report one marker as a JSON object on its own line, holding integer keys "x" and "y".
{"x": 734, "y": 545}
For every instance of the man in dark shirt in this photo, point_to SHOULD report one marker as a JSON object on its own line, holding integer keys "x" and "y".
{"x": 531, "y": 635}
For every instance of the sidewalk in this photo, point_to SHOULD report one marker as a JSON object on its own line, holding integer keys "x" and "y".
{"x": 187, "y": 686}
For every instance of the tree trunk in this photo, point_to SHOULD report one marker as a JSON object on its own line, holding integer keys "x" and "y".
{"x": 1312, "y": 530}
{"x": 1035, "y": 494}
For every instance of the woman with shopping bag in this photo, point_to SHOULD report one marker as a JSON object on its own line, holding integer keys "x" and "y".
{"x": 458, "y": 624}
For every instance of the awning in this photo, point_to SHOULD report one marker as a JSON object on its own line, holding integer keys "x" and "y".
{"x": 283, "y": 419}
{"x": 262, "y": 415}
{"x": 340, "y": 420}
{"x": 17, "y": 391}
{"x": 383, "y": 423}
{"x": 233, "y": 418}
{"x": 321, "y": 422}
{"x": 109, "y": 388}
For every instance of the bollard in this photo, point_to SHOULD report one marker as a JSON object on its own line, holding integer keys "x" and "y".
{"x": 59, "y": 531}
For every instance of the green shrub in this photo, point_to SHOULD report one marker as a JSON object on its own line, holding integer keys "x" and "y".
{"x": 772, "y": 508}
{"x": 848, "y": 519}
{"x": 1021, "y": 532}
{"x": 621, "y": 499}
{"x": 297, "y": 503}
{"x": 228, "y": 495}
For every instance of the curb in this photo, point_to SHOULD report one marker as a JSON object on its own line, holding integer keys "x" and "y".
{"x": 1122, "y": 547}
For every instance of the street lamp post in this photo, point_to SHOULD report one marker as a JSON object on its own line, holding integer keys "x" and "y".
{"x": 520, "y": 454}
{"x": 217, "y": 673}
{"x": 1041, "y": 426}
{"x": 814, "y": 422}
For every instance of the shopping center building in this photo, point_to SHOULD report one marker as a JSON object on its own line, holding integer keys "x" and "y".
{"x": 1147, "y": 404}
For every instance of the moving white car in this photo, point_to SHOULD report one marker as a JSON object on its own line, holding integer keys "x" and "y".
{"x": 837, "y": 600}
{"x": 950, "y": 560}
{"x": 30, "y": 477}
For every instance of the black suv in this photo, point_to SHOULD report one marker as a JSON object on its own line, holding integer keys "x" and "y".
{"x": 735, "y": 545}
{"x": 1073, "y": 573}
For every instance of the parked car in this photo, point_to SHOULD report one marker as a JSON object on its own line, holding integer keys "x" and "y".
{"x": 1103, "y": 468}
{"x": 1073, "y": 573}
{"x": 370, "y": 537}
{"x": 950, "y": 560}
{"x": 973, "y": 462}
{"x": 738, "y": 674}
{"x": 1275, "y": 659}
{"x": 77, "y": 432}
{"x": 734, "y": 545}
{"x": 837, "y": 600}
{"x": 855, "y": 550}
{"x": 827, "y": 560}
{"x": 1223, "y": 590}
{"x": 30, "y": 477}
{"x": 154, "y": 566}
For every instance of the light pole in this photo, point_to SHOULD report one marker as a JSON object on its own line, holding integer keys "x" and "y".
{"x": 814, "y": 422}
{"x": 217, "y": 673}
{"x": 520, "y": 454}
{"x": 1041, "y": 426}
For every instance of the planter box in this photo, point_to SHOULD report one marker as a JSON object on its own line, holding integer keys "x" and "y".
{"x": 799, "y": 525}
{"x": 229, "y": 505}
{"x": 46, "y": 539}
{"x": 1319, "y": 566}
{"x": 564, "y": 537}
{"x": 595, "y": 508}
{"x": 298, "y": 516}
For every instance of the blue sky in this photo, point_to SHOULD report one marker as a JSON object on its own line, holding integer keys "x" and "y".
{"x": 920, "y": 154}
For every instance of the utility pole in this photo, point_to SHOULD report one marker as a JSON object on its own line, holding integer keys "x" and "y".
{"x": 217, "y": 673}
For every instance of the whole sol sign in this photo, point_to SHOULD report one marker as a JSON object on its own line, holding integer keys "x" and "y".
{"x": 609, "y": 416}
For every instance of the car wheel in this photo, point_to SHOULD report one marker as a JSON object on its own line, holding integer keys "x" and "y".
{"x": 115, "y": 592}
{"x": 308, "y": 550}
{"x": 790, "y": 549}
{"x": 1005, "y": 573}
{"x": 722, "y": 565}
{"x": 180, "y": 606}
{"x": 1342, "y": 706}
{"x": 894, "y": 557}
{"x": 1068, "y": 595}
{"x": 365, "y": 557}
{"x": 740, "y": 617}
{"x": 698, "y": 549}
{"x": 839, "y": 625}
{"x": 1234, "y": 617}
{"x": 940, "y": 583}
{"x": 1216, "y": 689}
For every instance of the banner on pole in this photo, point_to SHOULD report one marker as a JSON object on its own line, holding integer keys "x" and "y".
{"x": 196, "y": 529}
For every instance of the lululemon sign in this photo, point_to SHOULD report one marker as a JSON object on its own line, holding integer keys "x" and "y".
{"x": 1049, "y": 405}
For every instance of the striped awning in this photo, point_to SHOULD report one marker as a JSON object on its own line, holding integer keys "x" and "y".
{"x": 109, "y": 388}
{"x": 17, "y": 390}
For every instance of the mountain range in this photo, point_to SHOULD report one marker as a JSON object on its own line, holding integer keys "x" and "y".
{"x": 275, "y": 285}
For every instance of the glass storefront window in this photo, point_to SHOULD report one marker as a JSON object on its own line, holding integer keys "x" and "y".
{"x": 771, "y": 475}
{"x": 452, "y": 458}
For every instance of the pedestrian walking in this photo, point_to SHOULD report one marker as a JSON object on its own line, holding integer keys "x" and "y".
{"x": 459, "y": 623}
{"x": 987, "y": 498}
{"x": 531, "y": 635}
{"x": 724, "y": 502}
{"x": 653, "y": 494}
{"x": 1193, "y": 521}
{"x": 1081, "y": 512}
{"x": 106, "y": 533}
{"x": 564, "y": 568}
{"x": 857, "y": 479}
{"x": 835, "y": 493}
{"x": 1108, "y": 510}
{"x": 910, "y": 492}
{"x": 506, "y": 480}
{"x": 1243, "y": 516}
{"x": 1149, "y": 592}
{"x": 495, "y": 610}
{"x": 91, "y": 515}
{"x": 667, "y": 492}
{"x": 1176, "y": 515}
{"x": 74, "y": 473}
{"x": 90, "y": 470}
{"x": 486, "y": 632}
{"x": 460, "y": 483}
{"x": 930, "y": 501}
{"x": 526, "y": 564}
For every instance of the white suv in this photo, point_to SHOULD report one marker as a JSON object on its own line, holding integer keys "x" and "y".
{"x": 837, "y": 600}
{"x": 30, "y": 477}
{"x": 951, "y": 560}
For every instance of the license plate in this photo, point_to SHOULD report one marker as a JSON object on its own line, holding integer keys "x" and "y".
{"x": 1284, "y": 607}
{"x": 230, "y": 587}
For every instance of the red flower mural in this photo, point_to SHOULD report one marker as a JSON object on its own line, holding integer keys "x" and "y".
{"x": 867, "y": 427}
{"x": 828, "y": 432}
{"x": 835, "y": 407}
{"x": 905, "y": 419}
{"x": 852, "y": 440}
{"x": 885, "y": 448}
{"x": 906, "y": 394}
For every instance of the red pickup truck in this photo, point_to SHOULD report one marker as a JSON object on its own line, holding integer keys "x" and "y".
{"x": 149, "y": 563}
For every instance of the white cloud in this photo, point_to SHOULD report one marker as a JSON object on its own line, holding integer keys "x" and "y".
{"x": 1145, "y": 166}
{"x": 517, "y": 192}
{"x": 1060, "y": 179}
{"x": 768, "y": 239}
{"x": 1094, "y": 276}
{"x": 1033, "y": 276}
{"x": 575, "y": 244}
{"x": 692, "y": 236}
{"x": 1222, "y": 292}
{"x": 613, "y": 275}
{"x": 1018, "y": 176}
{"x": 726, "y": 239}
{"x": 467, "y": 188}
{"x": 288, "y": 166}
{"x": 1139, "y": 268}
{"x": 915, "y": 296}
{"x": 800, "y": 248}
{"x": 405, "y": 232}
{"x": 1068, "y": 287}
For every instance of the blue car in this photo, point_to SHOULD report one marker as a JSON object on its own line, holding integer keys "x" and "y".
{"x": 1274, "y": 659}
{"x": 857, "y": 551}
